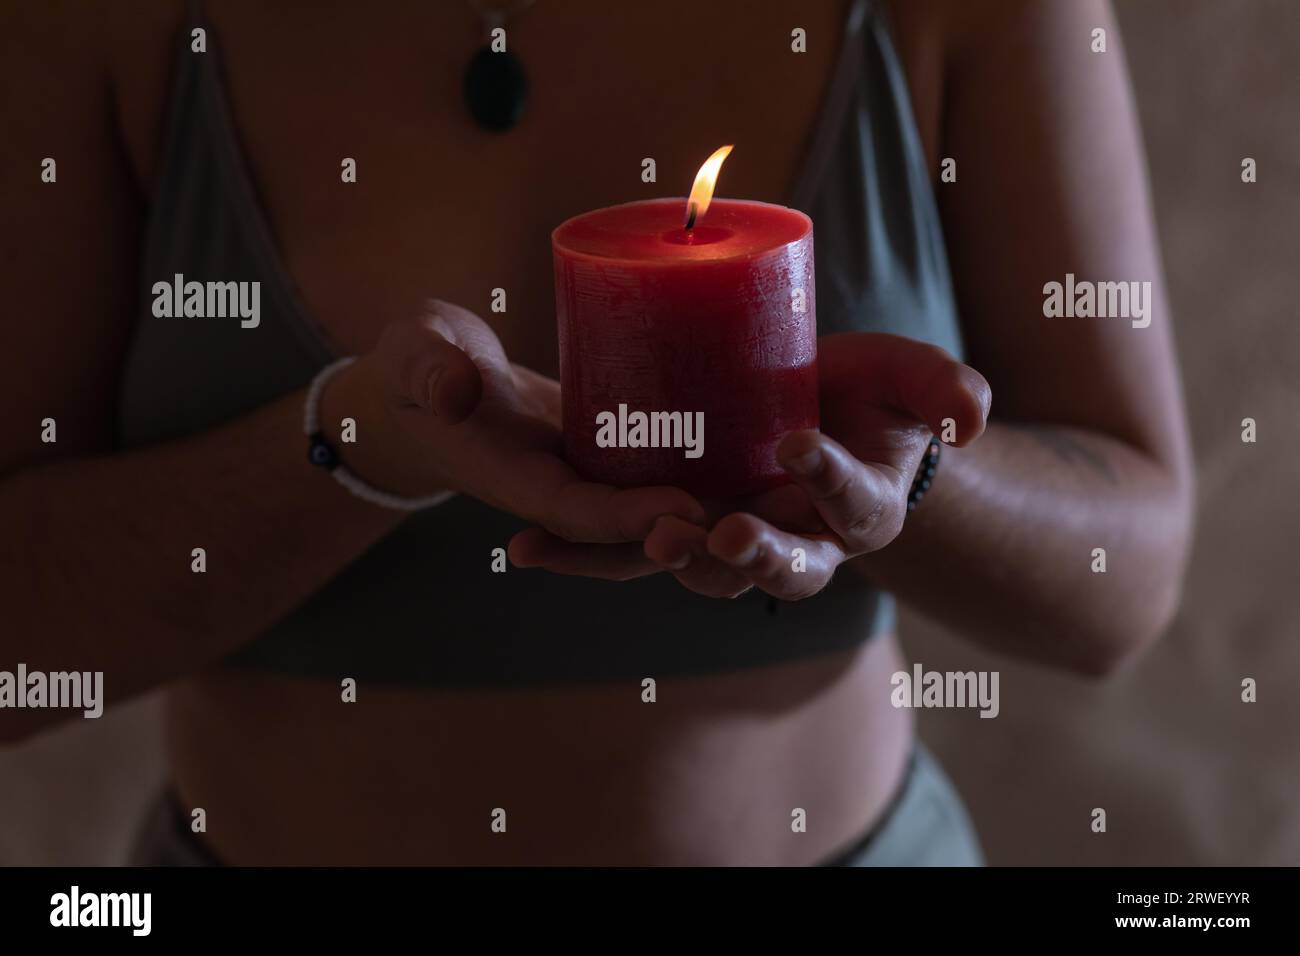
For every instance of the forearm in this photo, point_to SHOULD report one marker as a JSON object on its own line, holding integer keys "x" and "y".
{"x": 98, "y": 567}
{"x": 1001, "y": 549}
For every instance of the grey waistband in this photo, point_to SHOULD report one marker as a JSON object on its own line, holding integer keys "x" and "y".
{"x": 924, "y": 824}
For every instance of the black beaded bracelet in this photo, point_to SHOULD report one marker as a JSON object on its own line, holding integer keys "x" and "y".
{"x": 320, "y": 452}
{"x": 924, "y": 474}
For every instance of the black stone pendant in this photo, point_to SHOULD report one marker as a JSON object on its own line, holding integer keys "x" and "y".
{"x": 496, "y": 89}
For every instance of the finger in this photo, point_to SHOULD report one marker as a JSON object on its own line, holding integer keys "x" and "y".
{"x": 672, "y": 543}
{"x": 426, "y": 371}
{"x": 537, "y": 548}
{"x": 468, "y": 332}
{"x": 784, "y": 565}
{"x": 786, "y": 506}
{"x": 580, "y": 511}
{"x": 541, "y": 393}
{"x": 916, "y": 378}
{"x": 864, "y": 505}
{"x": 682, "y": 548}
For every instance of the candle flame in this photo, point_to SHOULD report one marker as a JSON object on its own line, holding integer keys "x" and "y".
{"x": 705, "y": 180}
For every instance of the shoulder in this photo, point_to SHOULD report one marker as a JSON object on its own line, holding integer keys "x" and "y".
{"x": 44, "y": 41}
{"x": 93, "y": 65}
{"x": 73, "y": 36}
{"x": 962, "y": 28}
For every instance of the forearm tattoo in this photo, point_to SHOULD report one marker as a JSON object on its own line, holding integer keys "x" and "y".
{"x": 1068, "y": 449}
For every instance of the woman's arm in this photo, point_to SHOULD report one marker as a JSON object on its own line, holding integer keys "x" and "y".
{"x": 1087, "y": 447}
{"x": 96, "y": 566}
{"x": 95, "y": 572}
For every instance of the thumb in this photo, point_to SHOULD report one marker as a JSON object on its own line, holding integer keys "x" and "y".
{"x": 919, "y": 380}
{"x": 425, "y": 370}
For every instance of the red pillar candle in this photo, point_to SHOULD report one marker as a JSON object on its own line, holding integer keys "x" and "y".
{"x": 715, "y": 325}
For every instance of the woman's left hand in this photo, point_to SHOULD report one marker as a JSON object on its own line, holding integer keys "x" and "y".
{"x": 882, "y": 396}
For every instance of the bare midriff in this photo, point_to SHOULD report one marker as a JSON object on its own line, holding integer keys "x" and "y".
{"x": 713, "y": 772}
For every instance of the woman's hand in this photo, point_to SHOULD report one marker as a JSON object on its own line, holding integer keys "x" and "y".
{"x": 882, "y": 396}
{"x": 438, "y": 405}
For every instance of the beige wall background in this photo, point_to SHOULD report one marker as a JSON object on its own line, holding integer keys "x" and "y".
{"x": 1186, "y": 772}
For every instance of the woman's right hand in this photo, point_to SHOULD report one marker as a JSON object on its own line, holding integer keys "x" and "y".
{"x": 438, "y": 406}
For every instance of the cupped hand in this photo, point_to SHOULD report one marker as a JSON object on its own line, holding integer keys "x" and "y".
{"x": 440, "y": 406}
{"x": 882, "y": 398}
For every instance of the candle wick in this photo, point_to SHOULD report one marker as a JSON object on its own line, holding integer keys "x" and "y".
{"x": 690, "y": 216}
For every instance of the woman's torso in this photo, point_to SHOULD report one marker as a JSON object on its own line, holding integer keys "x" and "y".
{"x": 587, "y": 772}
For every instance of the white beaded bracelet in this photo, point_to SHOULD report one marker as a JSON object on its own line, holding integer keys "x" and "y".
{"x": 320, "y": 452}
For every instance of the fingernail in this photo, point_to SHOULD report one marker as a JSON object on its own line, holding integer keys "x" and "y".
{"x": 806, "y": 464}
{"x": 681, "y": 563}
{"x": 747, "y": 557}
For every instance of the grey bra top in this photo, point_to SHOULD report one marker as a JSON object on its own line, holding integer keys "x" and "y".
{"x": 423, "y": 607}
